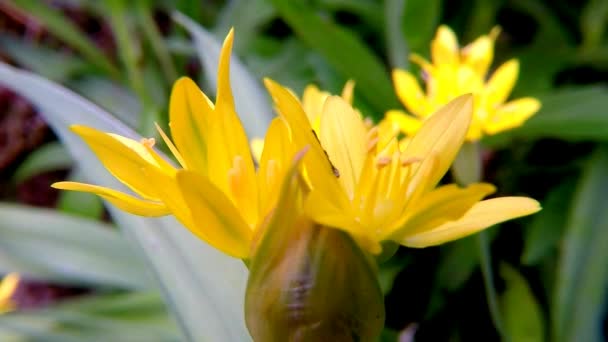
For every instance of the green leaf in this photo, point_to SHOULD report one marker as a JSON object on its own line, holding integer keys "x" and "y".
{"x": 344, "y": 51}
{"x": 420, "y": 20}
{"x": 46, "y": 244}
{"x": 522, "y": 316}
{"x": 83, "y": 204}
{"x": 65, "y": 30}
{"x": 130, "y": 316}
{"x": 111, "y": 96}
{"x": 458, "y": 261}
{"x": 396, "y": 43}
{"x": 594, "y": 20}
{"x": 247, "y": 18}
{"x": 574, "y": 114}
{"x": 50, "y": 157}
{"x": 582, "y": 274}
{"x": 251, "y": 101}
{"x": 55, "y": 65}
{"x": 545, "y": 230}
{"x": 203, "y": 287}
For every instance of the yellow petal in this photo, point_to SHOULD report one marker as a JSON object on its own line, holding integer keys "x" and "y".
{"x": 257, "y": 146}
{"x": 119, "y": 199}
{"x": 501, "y": 83}
{"x": 479, "y": 54}
{"x": 275, "y": 159}
{"x": 482, "y": 215}
{"x": 189, "y": 114}
{"x": 124, "y": 158}
{"x": 409, "y": 92}
{"x": 446, "y": 203}
{"x": 289, "y": 108}
{"x": 512, "y": 114}
{"x": 233, "y": 171}
{"x": 407, "y": 124}
{"x": 348, "y": 91}
{"x": 343, "y": 136}
{"x": 8, "y": 286}
{"x": 444, "y": 47}
{"x": 442, "y": 134}
{"x": 335, "y": 211}
{"x": 216, "y": 220}
{"x": 312, "y": 102}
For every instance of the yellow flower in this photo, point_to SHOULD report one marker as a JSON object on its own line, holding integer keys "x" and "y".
{"x": 8, "y": 286}
{"x": 454, "y": 72}
{"x": 363, "y": 182}
{"x": 215, "y": 192}
{"x": 312, "y": 101}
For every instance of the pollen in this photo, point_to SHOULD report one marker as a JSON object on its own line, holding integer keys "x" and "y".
{"x": 148, "y": 142}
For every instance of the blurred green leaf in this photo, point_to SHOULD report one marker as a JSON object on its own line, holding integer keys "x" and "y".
{"x": 247, "y": 17}
{"x": 344, "y": 51}
{"x": 388, "y": 272}
{"x": 130, "y": 52}
{"x": 396, "y": 42}
{"x": 545, "y": 230}
{"x": 64, "y": 29}
{"x": 123, "y": 317}
{"x": 522, "y": 316}
{"x": 144, "y": 12}
{"x": 83, "y": 204}
{"x": 582, "y": 274}
{"x": 64, "y": 248}
{"x": 574, "y": 114}
{"x": 420, "y": 20}
{"x": 594, "y": 20}
{"x": 252, "y": 103}
{"x": 49, "y": 157}
{"x": 369, "y": 11}
{"x": 111, "y": 96}
{"x": 203, "y": 287}
{"x": 52, "y": 64}
{"x": 459, "y": 260}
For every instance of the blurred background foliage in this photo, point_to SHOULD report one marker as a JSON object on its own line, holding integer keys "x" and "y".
{"x": 84, "y": 281}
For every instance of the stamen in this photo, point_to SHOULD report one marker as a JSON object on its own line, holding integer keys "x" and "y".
{"x": 371, "y": 145}
{"x": 409, "y": 161}
{"x": 148, "y": 142}
{"x": 382, "y": 161}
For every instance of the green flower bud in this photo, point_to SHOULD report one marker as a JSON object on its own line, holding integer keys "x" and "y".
{"x": 308, "y": 282}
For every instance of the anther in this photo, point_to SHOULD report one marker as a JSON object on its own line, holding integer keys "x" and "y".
{"x": 148, "y": 142}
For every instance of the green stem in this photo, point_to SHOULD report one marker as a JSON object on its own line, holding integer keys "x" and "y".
{"x": 485, "y": 259}
{"x": 467, "y": 169}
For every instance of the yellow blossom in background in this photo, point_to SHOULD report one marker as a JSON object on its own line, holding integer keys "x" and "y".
{"x": 454, "y": 71}
{"x": 8, "y": 286}
{"x": 366, "y": 183}
{"x": 215, "y": 192}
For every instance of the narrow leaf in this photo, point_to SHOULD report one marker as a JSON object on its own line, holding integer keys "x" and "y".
{"x": 343, "y": 50}
{"x": 60, "y": 247}
{"x": 521, "y": 313}
{"x": 65, "y": 30}
{"x": 49, "y": 157}
{"x": 582, "y": 276}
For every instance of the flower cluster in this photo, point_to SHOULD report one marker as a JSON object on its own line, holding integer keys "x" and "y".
{"x": 454, "y": 71}
{"x": 325, "y": 188}
{"x": 359, "y": 178}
